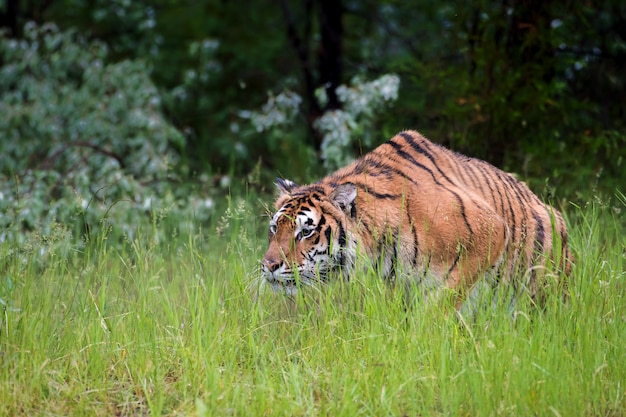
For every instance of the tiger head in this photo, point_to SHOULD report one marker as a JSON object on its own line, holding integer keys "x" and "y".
{"x": 310, "y": 234}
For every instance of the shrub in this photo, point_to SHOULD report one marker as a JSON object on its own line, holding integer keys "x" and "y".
{"x": 341, "y": 129}
{"x": 83, "y": 139}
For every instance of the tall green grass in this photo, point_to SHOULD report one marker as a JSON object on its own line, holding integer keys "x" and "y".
{"x": 184, "y": 327}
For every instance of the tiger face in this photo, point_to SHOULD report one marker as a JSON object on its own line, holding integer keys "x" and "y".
{"x": 308, "y": 235}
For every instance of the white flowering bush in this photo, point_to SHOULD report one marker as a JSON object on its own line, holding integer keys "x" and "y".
{"x": 365, "y": 98}
{"x": 279, "y": 111}
{"x": 83, "y": 140}
{"x": 338, "y": 127}
{"x": 361, "y": 101}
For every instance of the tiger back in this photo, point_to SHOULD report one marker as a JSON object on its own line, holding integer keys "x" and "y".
{"x": 417, "y": 211}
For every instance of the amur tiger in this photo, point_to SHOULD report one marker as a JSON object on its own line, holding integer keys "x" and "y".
{"x": 417, "y": 211}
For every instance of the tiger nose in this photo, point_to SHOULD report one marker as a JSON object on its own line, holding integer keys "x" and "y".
{"x": 271, "y": 264}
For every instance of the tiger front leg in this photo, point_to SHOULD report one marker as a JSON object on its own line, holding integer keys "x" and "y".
{"x": 478, "y": 259}
{"x": 461, "y": 247}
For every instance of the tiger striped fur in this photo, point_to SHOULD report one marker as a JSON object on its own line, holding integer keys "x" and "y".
{"x": 443, "y": 219}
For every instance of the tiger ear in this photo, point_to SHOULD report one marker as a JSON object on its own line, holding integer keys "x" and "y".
{"x": 343, "y": 197}
{"x": 285, "y": 186}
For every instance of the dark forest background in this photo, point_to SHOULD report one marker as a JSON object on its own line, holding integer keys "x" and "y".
{"x": 202, "y": 95}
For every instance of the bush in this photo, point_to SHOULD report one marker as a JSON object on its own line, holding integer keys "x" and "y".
{"x": 83, "y": 139}
{"x": 342, "y": 130}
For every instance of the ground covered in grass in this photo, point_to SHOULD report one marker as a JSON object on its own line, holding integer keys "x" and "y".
{"x": 183, "y": 327}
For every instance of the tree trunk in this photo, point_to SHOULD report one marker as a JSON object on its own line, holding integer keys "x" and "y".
{"x": 8, "y": 18}
{"x": 330, "y": 56}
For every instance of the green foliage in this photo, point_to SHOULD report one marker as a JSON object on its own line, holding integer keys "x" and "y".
{"x": 127, "y": 27}
{"x": 557, "y": 169}
{"x": 84, "y": 139}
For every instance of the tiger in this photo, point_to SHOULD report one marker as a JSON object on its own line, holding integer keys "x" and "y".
{"x": 416, "y": 211}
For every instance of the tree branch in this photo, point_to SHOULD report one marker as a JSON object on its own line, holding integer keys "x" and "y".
{"x": 301, "y": 48}
{"x": 47, "y": 163}
{"x": 330, "y": 60}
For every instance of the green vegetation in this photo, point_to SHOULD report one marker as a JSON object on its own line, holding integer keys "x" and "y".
{"x": 183, "y": 326}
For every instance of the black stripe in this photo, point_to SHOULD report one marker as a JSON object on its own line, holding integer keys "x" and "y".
{"x": 522, "y": 199}
{"x": 538, "y": 245}
{"x": 539, "y": 233}
{"x": 326, "y": 213}
{"x": 562, "y": 230}
{"x": 426, "y": 267}
{"x": 380, "y": 164}
{"x": 469, "y": 166}
{"x": 341, "y": 241}
{"x": 458, "y": 198}
{"x": 394, "y": 255}
{"x": 410, "y": 140}
{"x": 565, "y": 255}
{"x": 486, "y": 170}
{"x": 321, "y": 223}
{"x": 515, "y": 188}
{"x": 487, "y": 179}
{"x": 512, "y": 216}
{"x": 454, "y": 264}
{"x": 404, "y": 155}
{"x": 509, "y": 218}
{"x": 382, "y": 196}
{"x": 538, "y": 249}
{"x": 368, "y": 190}
{"x": 453, "y": 163}
{"x": 342, "y": 236}
{"x": 308, "y": 190}
{"x": 463, "y": 163}
{"x": 412, "y": 227}
{"x": 365, "y": 225}
{"x": 394, "y": 260}
{"x": 327, "y": 234}
{"x": 342, "y": 259}
{"x": 363, "y": 166}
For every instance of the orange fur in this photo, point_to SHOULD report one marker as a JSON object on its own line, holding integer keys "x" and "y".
{"x": 416, "y": 207}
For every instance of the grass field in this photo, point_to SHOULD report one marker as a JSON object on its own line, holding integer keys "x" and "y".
{"x": 182, "y": 327}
